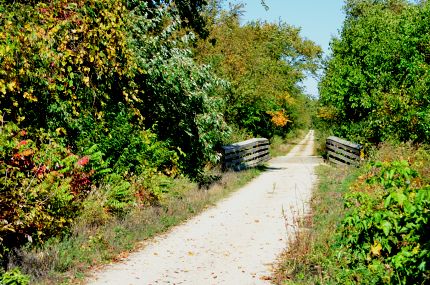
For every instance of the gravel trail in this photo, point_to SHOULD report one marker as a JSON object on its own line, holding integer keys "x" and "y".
{"x": 234, "y": 242}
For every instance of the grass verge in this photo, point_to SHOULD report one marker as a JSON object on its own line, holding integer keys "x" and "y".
{"x": 281, "y": 146}
{"x": 68, "y": 261}
{"x": 308, "y": 256}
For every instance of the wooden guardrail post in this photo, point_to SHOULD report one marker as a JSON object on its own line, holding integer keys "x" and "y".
{"x": 246, "y": 154}
{"x": 341, "y": 151}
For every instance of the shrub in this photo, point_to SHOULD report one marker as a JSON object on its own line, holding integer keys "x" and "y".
{"x": 127, "y": 147}
{"x": 14, "y": 277}
{"x": 119, "y": 194}
{"x": 385, "y": 233}
{"x": 42, "y": 185}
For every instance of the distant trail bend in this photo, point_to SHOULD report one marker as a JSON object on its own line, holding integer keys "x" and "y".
{"x": 236, "y": 241}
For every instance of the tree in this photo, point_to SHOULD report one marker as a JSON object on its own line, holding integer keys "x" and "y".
{"x": 264, "y": 63}
{"x": 376, "y": 84}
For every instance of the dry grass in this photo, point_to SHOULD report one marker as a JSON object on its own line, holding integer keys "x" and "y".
{"x": 304, "y": 261}
{"x": 320, "y": 141}
{"x": 300, "y": 245}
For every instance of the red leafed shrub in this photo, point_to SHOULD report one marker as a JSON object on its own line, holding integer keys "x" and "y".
{"x": 83, "y": 161}
{"x": 42, "y": 186}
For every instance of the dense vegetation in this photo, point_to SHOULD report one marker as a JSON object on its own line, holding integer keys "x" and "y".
{"x": 376, "y": 83}
{"x": 108, "y": 106}
{"x": 104, "y": 103}
{"x": 384, "y": 234}
{"x": 371, "y": 224}
{"x": 263, "y": 63}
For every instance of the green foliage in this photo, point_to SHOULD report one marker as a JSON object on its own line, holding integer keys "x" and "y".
{"x": 264, "y": 64}
{"x": 119, "y": 195}
{"x": 128, "y": 148}
{"x": 369, "y": 225}
{"x": 376, "y": 83}
{"x": 14, "y": 277}
{"x": 97, "y": 96}
{"x": 61, "y": 60}
{"x": 190, "y": 13}
{"x": 180, "y": 98}
{"x": 81, "y": 63}
{"x": 385, "y": 233}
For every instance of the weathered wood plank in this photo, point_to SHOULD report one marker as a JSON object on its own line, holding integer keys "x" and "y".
{"x": 341, "y": 157}
{"x": 344, "y": 142}
{"x": 343, "y": 152}
{"x": 345, "y": 147}
{"x": 246, "y": 154}
{"x": 244, "y": 145}
{"x": 334, "y": 160}
{"x": 248, "y": 157}
{"x": 250, "y": 164}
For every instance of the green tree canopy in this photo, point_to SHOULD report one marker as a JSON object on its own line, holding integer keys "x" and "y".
{"x": 376, "y": 82}
{"x": 264, "y": 63}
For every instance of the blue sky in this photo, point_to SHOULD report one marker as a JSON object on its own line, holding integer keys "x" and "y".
{"x": 319, "y": 20}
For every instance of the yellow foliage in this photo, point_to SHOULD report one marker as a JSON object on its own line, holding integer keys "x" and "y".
{"x": 326, "y": 112}
{"x": 61, "y": 49}
{"x": 279, "y": 118}
{"x": 289, "y": 99}
{"x": 376, "y": 248}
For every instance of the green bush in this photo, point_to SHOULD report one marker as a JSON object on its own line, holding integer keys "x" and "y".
{"x": 14, "y": 277}
{"x": 119, "y": 194}
{"x": 127, "y": 147}
{"x": 385, "y": 233}
{"x": 181, "y": 102}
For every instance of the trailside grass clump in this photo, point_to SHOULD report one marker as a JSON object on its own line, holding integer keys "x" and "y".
{"x": 369, "y": 226}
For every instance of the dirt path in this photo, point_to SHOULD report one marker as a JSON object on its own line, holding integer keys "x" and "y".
{"x": 234, "y": 242}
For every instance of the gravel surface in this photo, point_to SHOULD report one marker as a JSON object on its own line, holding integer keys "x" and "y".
{"x": 234, "y": 242}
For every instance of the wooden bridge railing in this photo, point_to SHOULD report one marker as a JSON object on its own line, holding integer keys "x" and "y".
{"x": 341, "y": 151}
{"x": 245, "y": 154}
